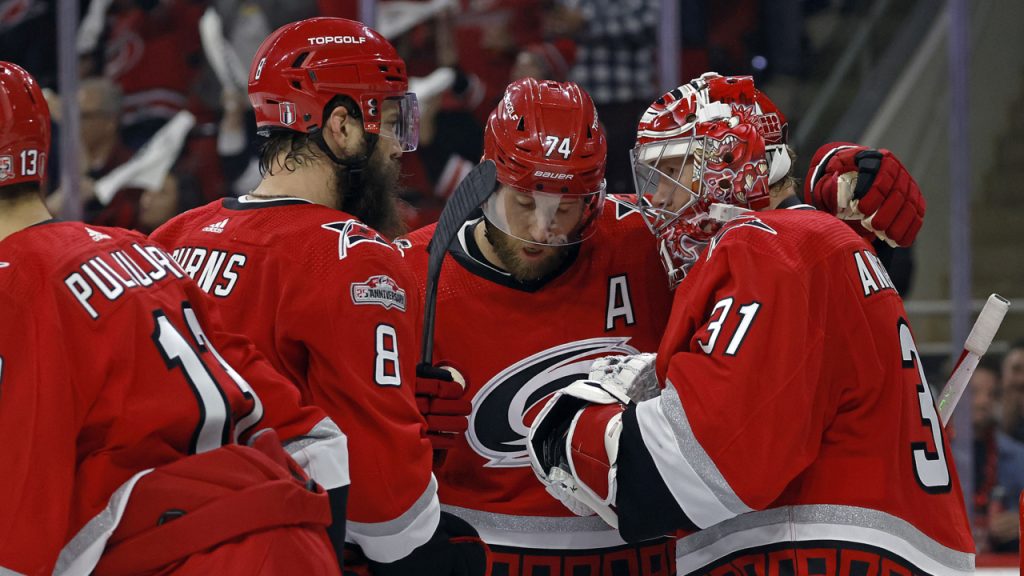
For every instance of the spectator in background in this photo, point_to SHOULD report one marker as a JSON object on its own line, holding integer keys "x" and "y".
{"x": 152, "y": 51}
{"x": 451, "y": 143}
{"x": 615, "y": 63}
{"x": 99, "y": 102}
{"x": 1013, "y": 385}
{"x": 179, "y": 193}
{"x": 998, "y": 467}
{"x": 545, "y": 61}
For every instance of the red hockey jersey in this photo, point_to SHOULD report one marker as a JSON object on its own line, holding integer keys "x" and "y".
{"x": 333, "y": 306}
{"x": 112, "y": 363}
{"x": 517, "y": 343}
{"x": 796, "y": 429}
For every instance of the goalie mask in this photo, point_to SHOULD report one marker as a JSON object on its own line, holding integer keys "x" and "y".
{"x": 708, "y": 142}
{"x": 550, "y": 151}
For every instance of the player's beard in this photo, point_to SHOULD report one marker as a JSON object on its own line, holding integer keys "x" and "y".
{"x": 377, "y": 204}
{"x": 509, "y": 252}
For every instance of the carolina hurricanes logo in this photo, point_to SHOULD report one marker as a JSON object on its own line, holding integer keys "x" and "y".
{"x": 124, "y": 51}
{"x": 353, "y": 232}
{"x": 497, "y": 430}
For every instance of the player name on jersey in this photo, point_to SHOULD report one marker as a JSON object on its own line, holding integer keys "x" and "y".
{"x": 111, "y": 275}
{"x": 216, "y": 271}
{"x": 873, "y": 276}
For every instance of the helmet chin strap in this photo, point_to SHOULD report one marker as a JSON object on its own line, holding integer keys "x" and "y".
{"x": 355, "y": 167}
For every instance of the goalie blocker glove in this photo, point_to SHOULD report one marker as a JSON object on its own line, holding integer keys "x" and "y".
{"x": 574, "y": 442}
{"x": 859, "y": 183}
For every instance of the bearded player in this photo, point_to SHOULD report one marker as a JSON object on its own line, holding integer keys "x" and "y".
{"x": 303, "y": 267}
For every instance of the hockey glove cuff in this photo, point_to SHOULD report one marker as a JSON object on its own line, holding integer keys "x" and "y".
{"x": 870, "y": 186}
{"x": 573, "y": 445}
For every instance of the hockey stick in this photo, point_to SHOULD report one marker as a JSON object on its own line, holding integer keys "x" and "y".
{"x": 977, "y": 344}
{"x": 474, "y": 189}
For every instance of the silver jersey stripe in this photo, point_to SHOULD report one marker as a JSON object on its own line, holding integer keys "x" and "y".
{"x": 9, "y": 572}
{"x": 323, "y": 454}
{"x": 687, "y": 470}
{"x": 695, "y": 454}
{"x": 541, "y": 532}
{"x": 394, "y": 539}
{"x": 821, "y": 522}
{"x": 83, "y": 552}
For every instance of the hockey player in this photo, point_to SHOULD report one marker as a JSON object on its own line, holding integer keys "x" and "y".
{"x": 795, "y": 432}
{"x": 531, "y": 294}
{"x": 301, "y": 267}
{"x": 127, "y": 413}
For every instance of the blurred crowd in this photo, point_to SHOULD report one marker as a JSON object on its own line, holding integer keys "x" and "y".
{"x": 143, "y": 61}
{"x": 998, "y": 417}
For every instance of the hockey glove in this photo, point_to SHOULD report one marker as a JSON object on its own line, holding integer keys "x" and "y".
{"x": 440, "y": 398}
{"x": 633, "y": 375}
{"x": 455, "y": 549}
{"x": 872, "y": 186}
{"x": 573, "y": 445}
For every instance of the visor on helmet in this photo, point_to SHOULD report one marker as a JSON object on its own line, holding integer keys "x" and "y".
{"x": 400, "y": 119}
{"x": 544, "y": 218}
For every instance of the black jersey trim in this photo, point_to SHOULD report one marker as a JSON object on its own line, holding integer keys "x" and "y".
{"x": 236, "y": 204}
{"x": 793, "y": 203}
{"x": 644, "y": 503}
{"x": 467, "y": 253}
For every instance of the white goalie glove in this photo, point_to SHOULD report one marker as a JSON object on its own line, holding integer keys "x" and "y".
{"x": 633, "y": 375}
{"x": 574, "y": 442}
{"x": 568, "y": 447}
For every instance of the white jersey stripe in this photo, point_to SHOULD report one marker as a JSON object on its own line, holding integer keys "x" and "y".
{"x": 687, "y": 471}
{"x": 83, "y": 552}
{"x": 323, "y": 454}
{"x": 394, "y": 539}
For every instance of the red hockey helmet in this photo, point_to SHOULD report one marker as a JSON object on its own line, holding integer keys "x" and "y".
{"x": 24, "y": 127}
{"x": 303, "y": 65}
{"x": 550, "y": 152}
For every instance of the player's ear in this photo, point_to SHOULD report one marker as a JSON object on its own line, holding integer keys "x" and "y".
{"x": 342, "y": 131}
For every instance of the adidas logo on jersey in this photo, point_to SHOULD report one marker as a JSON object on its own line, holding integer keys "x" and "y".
{"x": 217, "y": 227}
{"x": 96, "y": 236}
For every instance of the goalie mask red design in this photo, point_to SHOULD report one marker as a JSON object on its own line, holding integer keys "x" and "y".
{"x": 301, "y": 66}
{"x": 24, "y": 127}
{"x": 701, "y": 144}
{"x": 550, "y": 151}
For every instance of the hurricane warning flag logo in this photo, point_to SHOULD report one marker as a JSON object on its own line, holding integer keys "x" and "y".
{"x": 287, "y": 113}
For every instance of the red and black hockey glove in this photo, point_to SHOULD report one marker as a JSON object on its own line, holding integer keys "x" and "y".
{"x": 440, "y": 397}
{"x": 871, "y": 186}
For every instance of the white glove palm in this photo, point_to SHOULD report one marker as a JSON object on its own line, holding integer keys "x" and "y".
{"x": 633, "y": 375}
